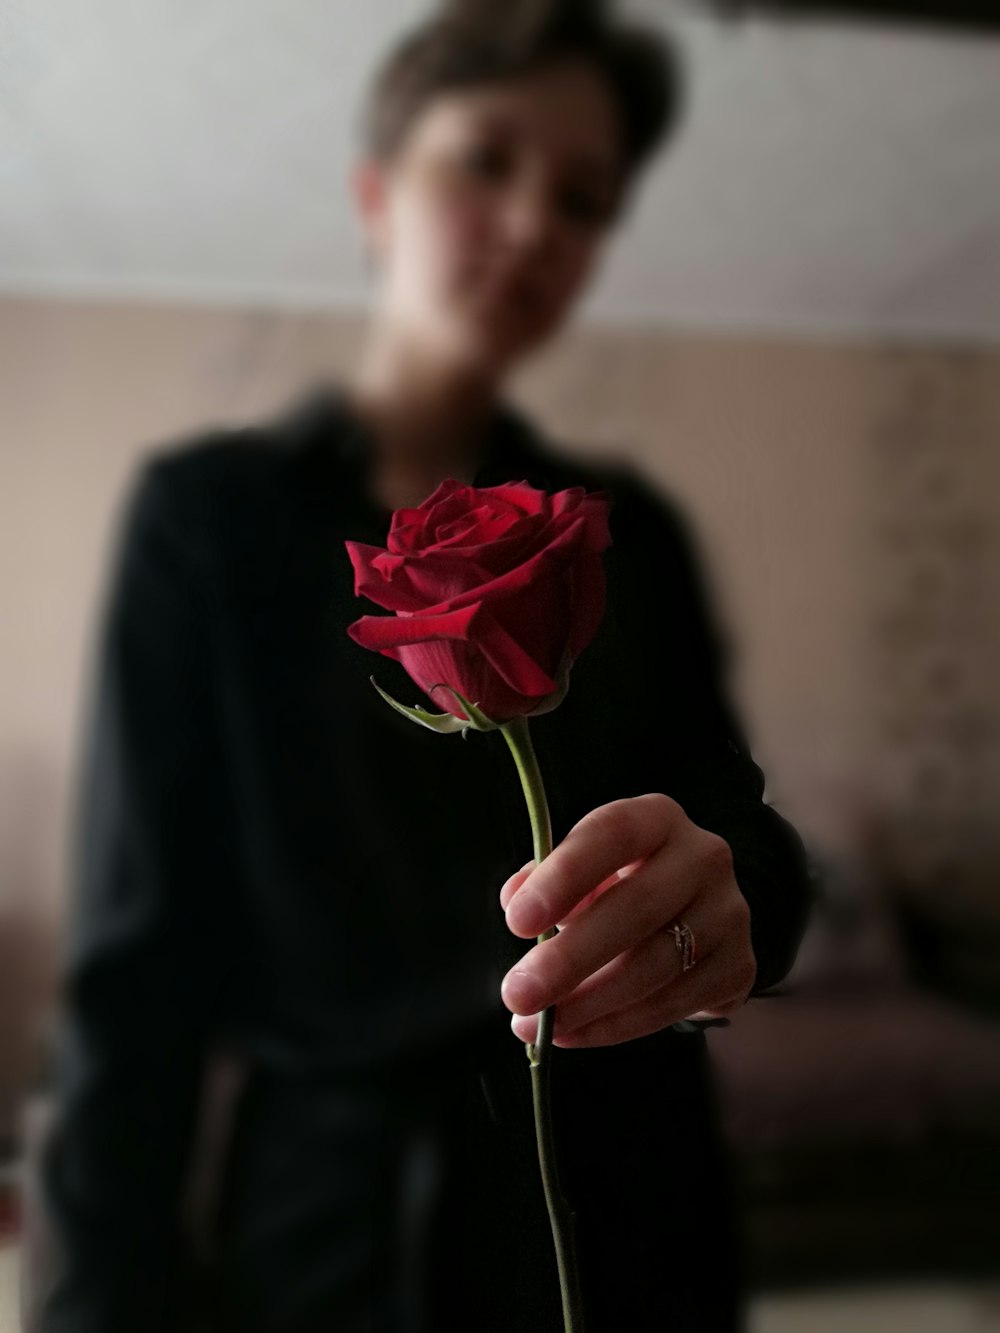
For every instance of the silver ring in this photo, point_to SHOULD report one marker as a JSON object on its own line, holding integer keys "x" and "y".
{"x": 685, "y": 943}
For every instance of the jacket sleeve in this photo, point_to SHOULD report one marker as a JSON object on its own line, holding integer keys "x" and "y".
{"x": 144, "y": 959}
{"x": 712, "y": 772}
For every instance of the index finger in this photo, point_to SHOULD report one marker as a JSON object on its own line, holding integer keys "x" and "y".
{"x": 602, "y": 842}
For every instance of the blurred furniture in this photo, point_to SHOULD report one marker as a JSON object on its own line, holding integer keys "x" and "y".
{"x": 861, "y": 1097}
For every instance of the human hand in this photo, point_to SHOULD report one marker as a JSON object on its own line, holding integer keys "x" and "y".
{"x": 621, "y": 874}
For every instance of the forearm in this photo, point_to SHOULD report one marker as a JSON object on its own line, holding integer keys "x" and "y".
{"x": 771, "y": 869}
{"x": 770, "y": 860}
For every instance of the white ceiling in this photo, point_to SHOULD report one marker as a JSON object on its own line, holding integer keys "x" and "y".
{"x": 830, "y": 179}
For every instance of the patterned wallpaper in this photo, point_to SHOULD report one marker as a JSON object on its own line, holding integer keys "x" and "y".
{"x": 932, "y": 465}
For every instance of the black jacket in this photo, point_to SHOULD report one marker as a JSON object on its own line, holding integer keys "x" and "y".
{"x": 272, "y": 858}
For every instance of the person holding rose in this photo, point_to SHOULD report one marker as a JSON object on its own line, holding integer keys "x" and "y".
{"x": 273, "y": 862}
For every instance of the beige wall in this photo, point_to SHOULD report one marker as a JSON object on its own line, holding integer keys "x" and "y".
{"x": 801, "y": 465}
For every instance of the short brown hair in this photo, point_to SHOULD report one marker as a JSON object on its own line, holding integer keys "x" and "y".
{"x": 470, "y": 42}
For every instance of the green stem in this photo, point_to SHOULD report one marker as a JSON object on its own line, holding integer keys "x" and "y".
{"x": 561, "y": 1216}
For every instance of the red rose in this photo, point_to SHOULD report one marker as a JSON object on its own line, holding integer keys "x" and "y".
{"x": 496, "y": 591}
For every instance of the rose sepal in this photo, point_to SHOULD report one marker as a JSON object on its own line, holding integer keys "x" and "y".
{"x": 440, "y": 722}
{"x": 474, "y": 718}
{"x": 444, "y": 723}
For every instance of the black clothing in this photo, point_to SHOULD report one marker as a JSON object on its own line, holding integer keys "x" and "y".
{"x": 273, "y": 859}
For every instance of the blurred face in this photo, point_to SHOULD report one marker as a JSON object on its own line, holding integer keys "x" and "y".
{"x": 490, "y": 218}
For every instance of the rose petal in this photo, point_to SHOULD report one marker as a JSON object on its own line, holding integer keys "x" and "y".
{"x": 509, "y": 660}
{"x": 383, "y": 633}
{"x": 555, "y": 556}
{"x": 589, "y": 602}
{"x": 370, "y": 580}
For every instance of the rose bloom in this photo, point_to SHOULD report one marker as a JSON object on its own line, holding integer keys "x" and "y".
{"x": 496, "y": 590}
